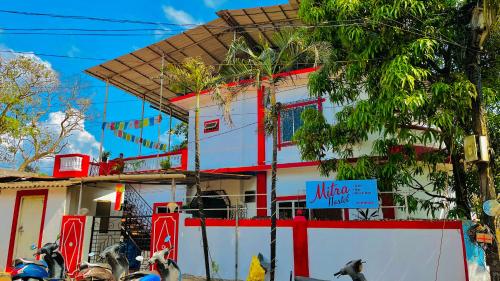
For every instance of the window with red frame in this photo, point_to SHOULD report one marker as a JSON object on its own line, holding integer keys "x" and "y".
{"x": 290, "y": 120}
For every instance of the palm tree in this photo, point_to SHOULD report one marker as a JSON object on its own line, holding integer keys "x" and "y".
{"x": 194, "y": 75}
{"x": 263, "y": 63}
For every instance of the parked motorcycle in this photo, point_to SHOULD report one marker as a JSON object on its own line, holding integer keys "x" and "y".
{"x": 94, "y": 272}
{"x": 168, "y": 269}
{"x": 51, "y": 267}
{"x": 117, "y": 260}
{"x": 54, "y": 261}
{"x": 115, "y": 268}
{"x": 352, "y": 269}
{"x": 29, "y": 270}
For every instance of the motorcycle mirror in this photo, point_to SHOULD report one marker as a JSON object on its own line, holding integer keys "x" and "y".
{"x": 139, "y": 258}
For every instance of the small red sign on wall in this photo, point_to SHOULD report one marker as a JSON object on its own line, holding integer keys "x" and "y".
{"x": 211, "y": 126}
{"x": 71, "y": 241}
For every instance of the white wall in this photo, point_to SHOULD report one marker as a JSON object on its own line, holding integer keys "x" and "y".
{"x": 390, "y": 254}
{"x": 234, "y": 145}
{"x": 252, "y": 241}
{"x": 7, "y": 201}
{"x": 56, "y": 208}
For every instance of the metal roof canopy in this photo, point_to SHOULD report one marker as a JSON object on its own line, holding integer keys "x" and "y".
{"x": 138, "y": 72}
{"x": 180, "y": 177}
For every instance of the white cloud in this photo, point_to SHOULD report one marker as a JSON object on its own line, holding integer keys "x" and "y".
{"x": 9, "y": 53}
{"x": 178, "y": 16}
{"x": 73, "y": 51}
{"x": 213, "y": 3}
{"x": 162, "y": 32}
{"x": 80, "y": 140}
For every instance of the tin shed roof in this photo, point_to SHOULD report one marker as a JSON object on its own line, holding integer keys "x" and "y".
{"x": 138, "y": 72}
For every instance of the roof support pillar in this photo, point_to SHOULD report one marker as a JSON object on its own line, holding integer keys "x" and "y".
{"x": 103, "y": 120}
{"x": 142, "y": 120}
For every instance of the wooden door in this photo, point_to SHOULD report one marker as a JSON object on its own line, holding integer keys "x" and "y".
{"x": 28, "y": 225}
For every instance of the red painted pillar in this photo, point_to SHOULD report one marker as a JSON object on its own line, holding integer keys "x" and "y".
{"x": 261, "y": 133}
{"x": 261, "y": 194}
{"x": 261, "y": 155}
{"x": 300, "y": 247}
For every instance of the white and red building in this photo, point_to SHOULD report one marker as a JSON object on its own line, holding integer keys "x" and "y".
{"x": 236, "y": 180}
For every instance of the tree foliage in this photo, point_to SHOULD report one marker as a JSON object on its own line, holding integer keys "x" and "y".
{"x": 398, "y": 71}
{"x": 262, "y": 63}
{"x": 36, "y": 118}
{"x": 194, "y": 75}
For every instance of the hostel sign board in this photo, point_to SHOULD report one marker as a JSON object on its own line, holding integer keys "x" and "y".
{"x": 352, "y": 194}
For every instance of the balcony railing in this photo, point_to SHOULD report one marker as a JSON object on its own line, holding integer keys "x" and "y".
{"x": 140, "y": 164}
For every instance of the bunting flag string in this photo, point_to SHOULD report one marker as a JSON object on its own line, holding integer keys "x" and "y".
{"x": 144, "y": 142}
{"x": 132, "y": 124}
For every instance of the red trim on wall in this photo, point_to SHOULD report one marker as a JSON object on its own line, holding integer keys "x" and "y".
{"x": 243, "y": 222}
{"x": 262, "y": 167}
{"x": 261, "y": 194}
{"x": 15, "y": 218}
{"x": 437, "y": 224}
{"x": 291, "y": 198}
{"x": 464, "y": 253}
{"x": 387, "y": 224}
{"x": 246, "y": 81}
{"x": 261, "y": 132}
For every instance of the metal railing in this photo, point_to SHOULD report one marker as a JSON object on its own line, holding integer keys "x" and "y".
{"x": 109, "y": 230}
{"x": 140, "y": 164}
{"x": 238, "y": 207}
{"x": 137, "y": 218}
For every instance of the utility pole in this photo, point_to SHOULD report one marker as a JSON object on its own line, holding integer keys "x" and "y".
{"x": 482, "y": 17}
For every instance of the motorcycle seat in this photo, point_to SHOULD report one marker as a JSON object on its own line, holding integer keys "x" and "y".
{"x": 29, "y": 261}
{"x": 84, "y": 265}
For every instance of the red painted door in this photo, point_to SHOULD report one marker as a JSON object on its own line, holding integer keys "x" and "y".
{"x": 72, "y": 233}
{"x": 164, "y": 233}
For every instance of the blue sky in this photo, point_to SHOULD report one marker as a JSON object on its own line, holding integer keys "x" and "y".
{"x": 121, "y": 106}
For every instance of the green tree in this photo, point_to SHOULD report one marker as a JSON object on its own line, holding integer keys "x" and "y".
{"x": 400, "y": 72}
{"x": 195, "y": 76}
{"x": 262, "y": 63}
{"x": 29, "y": 96}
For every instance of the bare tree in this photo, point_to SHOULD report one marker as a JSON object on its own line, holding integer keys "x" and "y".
{"x": 37, "y": 115}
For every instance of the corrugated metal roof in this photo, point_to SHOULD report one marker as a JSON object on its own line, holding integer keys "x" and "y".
{"x": 37, "y": 184}
{"x": 138, "y": 72}
{"x": 7, "y": 175}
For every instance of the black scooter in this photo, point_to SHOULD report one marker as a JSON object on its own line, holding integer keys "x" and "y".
{"x": 54, "y": 260}
{"x": 352, "y": 269}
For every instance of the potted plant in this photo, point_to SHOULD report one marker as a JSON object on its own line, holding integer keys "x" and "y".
{"x": 104, "y": 156}
{"x": 165, "y": 164}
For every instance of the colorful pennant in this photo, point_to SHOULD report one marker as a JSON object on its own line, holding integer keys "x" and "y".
{"x": 144, "y": 142}
{"x": 132, "y": 124}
